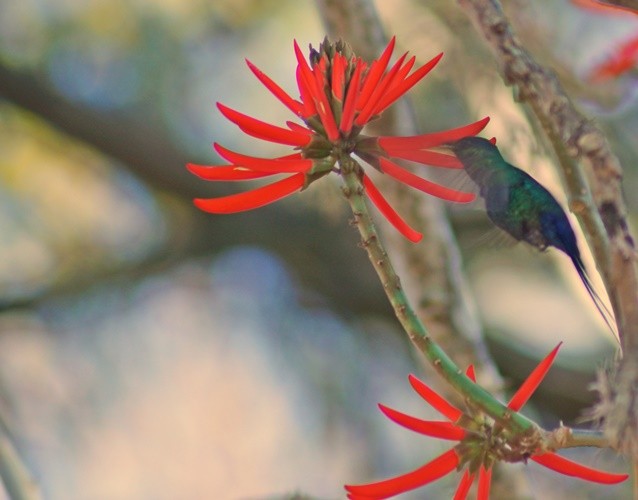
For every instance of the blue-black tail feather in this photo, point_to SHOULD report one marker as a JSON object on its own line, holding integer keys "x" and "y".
{"x": 559, "y": 232}
{"x": 600, "y": 305}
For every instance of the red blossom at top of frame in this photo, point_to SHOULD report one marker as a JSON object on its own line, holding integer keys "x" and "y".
{"x": 624, "y": 59}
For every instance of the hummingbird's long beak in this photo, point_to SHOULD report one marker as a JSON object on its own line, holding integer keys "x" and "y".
{"x": 443, "y": 148}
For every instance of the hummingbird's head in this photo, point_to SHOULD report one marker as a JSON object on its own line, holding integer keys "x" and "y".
{"x": 468, "y": 148}
{"x": 479, "y": 156}
{"x": 472, "y": 150}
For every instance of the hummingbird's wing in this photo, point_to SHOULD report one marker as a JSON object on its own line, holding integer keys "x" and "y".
{"x": 497, "y": 198}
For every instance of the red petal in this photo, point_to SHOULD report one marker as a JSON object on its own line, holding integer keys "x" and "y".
{"x": 402, "y": 73}
{"x": 347, "y": 117}
{"x": 425, "y": 474}
{"x": 532, "y": 381}
{"x": 374, "y": 74}
{"x": 441, "y": 430}
{"x": 378, "y": 93}
{"x": 484, "y": 480}
{"x": 388, "y": 212}
{"x": 276, "y": 165}
{"x": 323, "y": 106}
{"x": 434, "y": 400}
{"x": 401, "y": 88}
{"x": 263, "y": 130}
{"x": 393, "y": 144}
{"x": 298, "y": 128}
{"x": 338, "y": 80}
{"x": 308, "y": 102}
{"x": 293, "y": 105}
{"x": 428, "y": 157}
{"x": 469, "y": 373}
{"x": 464, "y": 486}
{"x": 407, "y": 177}
{"x": 252, "y": 199}
{"x": 302, "y": 64}
{"x": 625, "y": 58}
{"x": 568, "y": 468}
{"x": 318, "y": 95}
{"x": 224, "y": 172}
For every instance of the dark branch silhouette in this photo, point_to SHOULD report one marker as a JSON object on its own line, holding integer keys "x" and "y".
{"x": 328, "y": 260}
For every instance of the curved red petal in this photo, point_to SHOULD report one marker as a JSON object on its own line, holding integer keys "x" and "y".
{"x": 338, "y": 76}
{"x": 276, "y": 165}
{"x": 484, "y": 482}
{"x": 469, "y": 373}
{"x": 434, "y": 400}
{"x": 224, "y": 172}
{"x": 347, "y": 117}
{"x": 401, "y": 88}
{"x": 298, "y": 128}
{"x": 377, "y": 94}
{"x": 425, "y": 474}
{"x": 568, "y": 468}
{"x": 441, "y": 430}
{"x": 377, "y": 68}
{"x": 388, "y": 212}
{"x": 252, "y": 199}
{"x": 407, "y": 177}
{"x": 302, "y": 64}
{"x": 625, "y": 58}
{"x": 263, "y": 130}
{"x": 464, "y": 486}
{"x": 533, "y": 380}
{"x": 305, "y": 93}
{"x": 323, "y": 106}
{"x": 393, "y": 144}
{"x": 403, "y": 71}
{"x": 313, "y": 91}
{"x": 293, "y": 105}
{"x": 426, "y": 157}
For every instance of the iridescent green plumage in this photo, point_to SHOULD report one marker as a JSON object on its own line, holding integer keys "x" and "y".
{"x": 519, "y": 205}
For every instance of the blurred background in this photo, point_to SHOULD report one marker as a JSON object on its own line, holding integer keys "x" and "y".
{"x": 149, "y": 351}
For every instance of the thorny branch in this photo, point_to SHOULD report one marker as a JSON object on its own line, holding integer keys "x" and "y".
{"x": 431, "y": 271}
{"x": 452, "y": 321}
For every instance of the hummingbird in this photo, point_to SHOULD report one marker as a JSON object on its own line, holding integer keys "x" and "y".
{"x": 522, "y": 207}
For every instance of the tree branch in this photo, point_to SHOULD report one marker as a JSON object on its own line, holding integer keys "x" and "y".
{"x": 431, "y": 271}
{"x": 432, "y": 275}
{"x": 142, "y": 145}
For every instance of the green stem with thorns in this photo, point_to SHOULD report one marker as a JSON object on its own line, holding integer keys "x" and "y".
{"x": 352, "y": 173}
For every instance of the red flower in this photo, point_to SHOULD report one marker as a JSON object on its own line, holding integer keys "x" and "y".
{"x": 478, "y": 439}
{"x": 339, "y": 95}
{"x": 625, "y": 58}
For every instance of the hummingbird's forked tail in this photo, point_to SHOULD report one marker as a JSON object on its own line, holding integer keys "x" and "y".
{"x": 598, "y": 302}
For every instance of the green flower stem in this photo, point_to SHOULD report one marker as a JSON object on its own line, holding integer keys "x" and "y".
{"x": 351, "y": 172}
